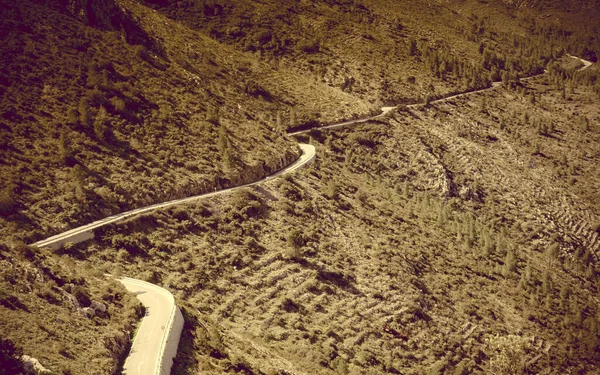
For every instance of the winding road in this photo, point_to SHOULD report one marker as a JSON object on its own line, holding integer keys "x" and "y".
{"x": 586, "y": 64}
{"x": 86, "y": 232}
{"x": 155, "y": 343}
{"x": 157, "y": 338}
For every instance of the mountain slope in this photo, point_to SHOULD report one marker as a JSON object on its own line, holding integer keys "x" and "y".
{"x": 448, "y": 239}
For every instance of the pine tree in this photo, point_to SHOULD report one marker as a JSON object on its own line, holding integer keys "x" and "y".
{"x": 100, "y": 128}
{"x": 279, "y": 122}
{"x": 212, "y": 115}
{"x": 564, "y": 295}
{"x": 77, "y": 179}
{"x": 546, "y": 283}
{"x": 65, "y": 151}
{"x": 552, "y": 253}
{"x": 293, "y": 120}
{"x": 412, "y": 47}
{"x": 85, "y": 118}
{"x": 8, "y": 203}
{"x": 510, "y": 263}
{"x": 225, "y": 149}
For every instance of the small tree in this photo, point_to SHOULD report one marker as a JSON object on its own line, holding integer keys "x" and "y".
{"x": 212, "y": 115}
{"x": 279, "y": 122}
{"x": 77, "y": 179}
{"x": 584, "y": 123}
{"x": 293, "y": 119}
{"x": 100, "y": 124}
{"x": 225, "y": 149}
{"x": 552, "y": 253}
{"x": 412, "y": 47}
{"x": 65, "y": 151}
{"x": 85, "y": 118}
{"x": 8, "y": 204}
{"x": 510, "y": 263}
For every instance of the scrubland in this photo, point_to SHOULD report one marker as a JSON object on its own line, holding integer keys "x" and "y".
{"x": 457, "y": 236}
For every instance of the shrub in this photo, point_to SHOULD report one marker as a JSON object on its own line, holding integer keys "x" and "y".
{"x": 212, "y": 115}
{"x": 8, "y": 205}
{"x": 46, "y": 292}
{"x": 255, "y": 89}
{"x": 332, "y": 190}
{"x": 310, "y": 45}
{"x": 248, "y": 204}
{"x": 81, "y": 295}
{"x": 25, "y": 251}
{"x": 65, "y": 151}
{"x": 510, "y": 263}
{"x": 263, "y": 36}
{"x": 296, "y": 238}
{"x": 119, "y": 105}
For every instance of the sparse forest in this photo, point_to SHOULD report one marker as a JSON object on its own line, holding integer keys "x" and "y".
{"x": 454, "y": 235}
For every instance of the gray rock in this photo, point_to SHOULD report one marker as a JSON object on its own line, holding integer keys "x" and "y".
{"x": 71, "y": 299}
{"x": 88, "y": 312}
{"x": 33, "y": 366}
{"x": 98, "y": 306}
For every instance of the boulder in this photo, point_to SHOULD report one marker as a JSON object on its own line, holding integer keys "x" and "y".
{"x": 88, "y": 312}
{"x": 71, "y": 299}
{"x": 33, "y": 366}
{"x": 98, "y": 306}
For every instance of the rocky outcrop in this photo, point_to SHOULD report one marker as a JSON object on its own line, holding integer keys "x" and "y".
{"x": 98, "y": 307}
{"x": 33, "y": 367}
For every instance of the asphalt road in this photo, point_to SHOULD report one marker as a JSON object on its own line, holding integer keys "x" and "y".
{"x": 148, "y": 347}
{"x": 151, "y": 341}
{"x": 85, "y": 232}
{"x": 586, "y": 64}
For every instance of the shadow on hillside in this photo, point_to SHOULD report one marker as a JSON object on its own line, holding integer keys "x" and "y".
{"x": 334, "y": 278}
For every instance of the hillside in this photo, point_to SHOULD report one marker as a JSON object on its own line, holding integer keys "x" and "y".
{"x": 437, "y": 242}
{"x": 456, "y": 237}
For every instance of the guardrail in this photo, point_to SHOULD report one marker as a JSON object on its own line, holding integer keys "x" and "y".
{"x": 164, "y": 367}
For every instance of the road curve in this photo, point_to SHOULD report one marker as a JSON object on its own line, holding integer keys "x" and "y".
{"x": 86, "y": 232}
{"x": 386, "y": 110}
{"x": 157, "y": 338}
{"x": 586, "y": 64}
{"x": 163, "y": 318}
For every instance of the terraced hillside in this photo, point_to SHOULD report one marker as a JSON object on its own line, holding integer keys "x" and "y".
{"x": 441, "y": 240}
{"x": 458, "y": 237}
